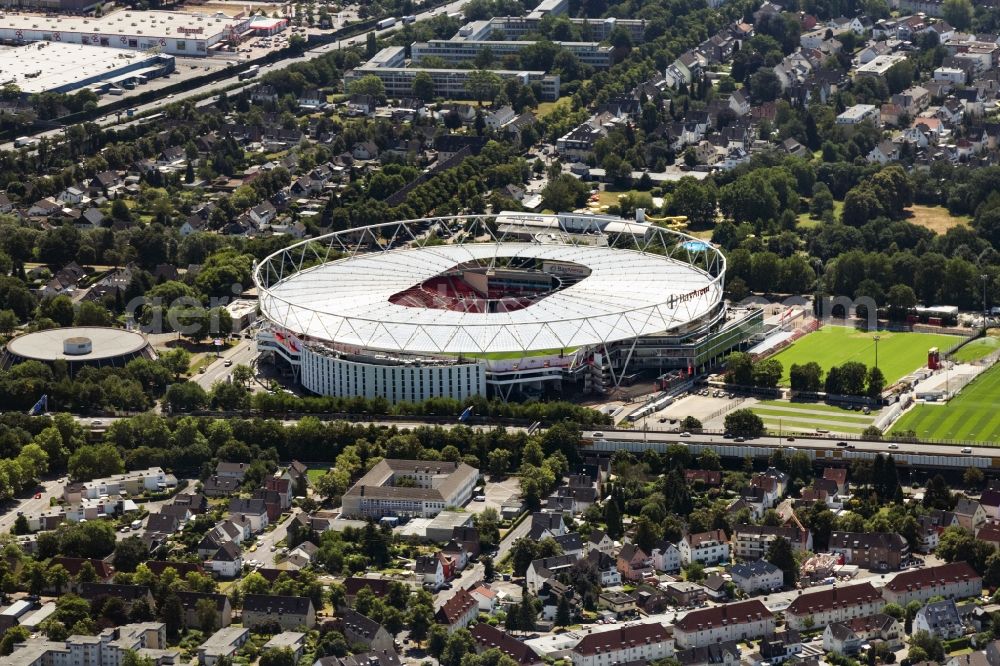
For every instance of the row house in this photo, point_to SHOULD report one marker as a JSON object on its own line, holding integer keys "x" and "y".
{"x": 745, "y": 620}
{"x": 837, "y": 604}
{"x": 876, "y": 551}
{"x": 639, "y": 643}
{"x": 957, "y": 580}
{"x": 458, "y": 612}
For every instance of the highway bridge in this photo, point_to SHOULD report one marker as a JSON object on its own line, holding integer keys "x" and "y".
{"x": 924, "y": 456}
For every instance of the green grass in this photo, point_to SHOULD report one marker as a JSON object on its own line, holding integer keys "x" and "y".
{"x": 805, "y": 417}
{"x": 971, "y": 415}
{"x": 899, "y": 354}
{"x": 977, "y": 349}
{"x": 314, "y": 474}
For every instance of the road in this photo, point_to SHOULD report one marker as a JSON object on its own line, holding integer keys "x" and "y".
{"x": 926, "y": 455}
{"x": 267, "y": 542}
{"x": 474, "y": 574}
{"x": 243, "y": 353}
{"x": 30, "y": 505}
{"x": 157, "y": 105}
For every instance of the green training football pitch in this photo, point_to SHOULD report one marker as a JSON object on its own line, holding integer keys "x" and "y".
{"x": 899, "y": 354}
{"x": 972, "y": 415}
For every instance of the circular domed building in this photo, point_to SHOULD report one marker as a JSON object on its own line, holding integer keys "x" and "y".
{"x": 78, "y": 346}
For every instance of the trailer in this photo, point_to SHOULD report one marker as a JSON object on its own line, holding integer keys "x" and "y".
{"x": 249, "y": 72}
{"x": 385, "y": 23}
{"x": 409, "y": 19}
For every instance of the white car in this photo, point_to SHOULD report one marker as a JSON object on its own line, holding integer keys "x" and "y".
{"x": 894, "y": 446}
{"x": 967, "y": 450}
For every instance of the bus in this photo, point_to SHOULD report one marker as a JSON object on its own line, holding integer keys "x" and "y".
{"x": 249, "y": 73}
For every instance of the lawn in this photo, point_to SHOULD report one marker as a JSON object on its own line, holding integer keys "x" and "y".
{"x": 314, "y": 474}
{"x": 935, "y": 218}
{"x": 782, "y": 416}
{"x": 545, "y": 108}
{"x": 806, "y": 222}
{"x": 971, "y": 415}
{"x": 977, "y": 349}
{"x": 899, "y": 354}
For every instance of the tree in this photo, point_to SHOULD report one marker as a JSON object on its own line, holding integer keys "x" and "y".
{"x": 744, "y": 423}
{"x": 499, "y": 462}
{"x": 973, "y": 477}
{"x": 130, "y": 553}
{"x": 876, "y": 382}
{"x": 172, "y": 614}
{"x": 277, "y": 657}
{"x": 958, "y": 13}
{"x": 613, "y": 519}
{"x": 423, "y": 86}
{"x": 92, "y": 461}
{"x": 482, "y": 84}
{"x": 11, "y": 637}
{"x": 489, "y": 570}
{"x": 691, "y": 423}
{"x": 938, "y": 494}
{"x": 806, "y": 377}
{"x": 739, "y": 369}
{"x": 929, "y": 643}
{"x": 563, "y": 615}
{"x": 564, "y": 193}
{"x": 780, "y": 554}
{"x": 367, "y": 85}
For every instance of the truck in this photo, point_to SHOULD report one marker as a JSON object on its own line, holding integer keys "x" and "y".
{"x": 385, "y": 23}
{"x": 409, "y": 19}
{"x": 25, "y": 142}
{"x": 249, "y": 73}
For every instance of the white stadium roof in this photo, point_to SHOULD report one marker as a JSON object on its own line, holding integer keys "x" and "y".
{"x": 628, "y": 293}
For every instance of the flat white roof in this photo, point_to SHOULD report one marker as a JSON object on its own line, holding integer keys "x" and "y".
{"x": 107, "y": 343}
{"x": 627, "y": 294}
{"x": 127, "y": 22}
{"x": 45, "y": 66}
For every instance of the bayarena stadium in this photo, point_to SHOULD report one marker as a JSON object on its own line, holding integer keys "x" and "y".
{"x": 510, "y": 305}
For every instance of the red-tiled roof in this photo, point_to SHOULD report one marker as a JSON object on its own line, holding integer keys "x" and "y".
{"x": 456, "y": 607}
{"x": 940, "y": 575}
{"x": 837, "y": 597}
{"x": 744, "y": 611}
{"x": 621, "y": 638}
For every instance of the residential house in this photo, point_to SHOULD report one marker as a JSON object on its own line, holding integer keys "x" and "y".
{"x": 469, "y": 538}
{"x": 638, "y": 643}
{"x": 781, "y": 647}
{"x": 233, "y": 470}
{"x": 837, "y": 604}
{"x": 189, "y": 602}
{"x": 486, "y": 597}
{"x": 358, "y": 628}
{"x": 752, "y": 542}
{"x": 876, "y": 551}
{"x": 956, "y": 580}
{"x": 708, "y": 548}
{"x": 634, "y": 563}
{"x": 726, "y": 653}
{"x": 757, "y": 575}
{"x": 666, "y": 557}
{"x": 253, "y": 512}
{"x": 848, "y": 636}
{"x": 223, "y": 644}
{"x": 302, "y": 555}
{"x": 970, "y": 513}
{"x": 683, "y": 593}
{"x": 601, "y": 542}
{"x": 430, "y": 571}
{"x": 129, "y": 594}
{"x": 708, "y": 478}
{"x": 491, "y": 638}
{"x": 545, "y": 524}
{"x": 726, "y": 622}
{"x": 458, "y": 612}
{"x": 619, "y": 603}
{"x": 940, "y": 619}
{"x": 227, "y": 562}
{"x": 885, "y": 151}
{"x": 545, "y": 569}
{"x": 606, "y": 567}
{"x": 262, "y": 610}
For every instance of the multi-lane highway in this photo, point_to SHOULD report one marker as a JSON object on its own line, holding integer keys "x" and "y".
{"x": 115, "y": 119}
{"x": 918, "y": 455}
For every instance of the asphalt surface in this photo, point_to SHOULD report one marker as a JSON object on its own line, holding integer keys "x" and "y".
{"x": 30, "y": 505}
{"x": 899, "y": 450}
{"x": 243, "y": 353}
{"x": 114, "y": 119}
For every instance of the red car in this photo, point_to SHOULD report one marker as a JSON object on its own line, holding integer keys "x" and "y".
{"x": 38, "y": 496}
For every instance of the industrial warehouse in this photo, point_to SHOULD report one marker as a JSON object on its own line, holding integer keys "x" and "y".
{"x": 175, "y": 33}
{"x": 62, "y": 68}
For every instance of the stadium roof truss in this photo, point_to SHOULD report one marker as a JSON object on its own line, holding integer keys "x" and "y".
{"x": 333, "y": 288}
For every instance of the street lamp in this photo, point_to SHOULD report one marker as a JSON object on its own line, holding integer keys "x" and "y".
{"x": 984, "y": 277}
{"x": 876, "y": 339}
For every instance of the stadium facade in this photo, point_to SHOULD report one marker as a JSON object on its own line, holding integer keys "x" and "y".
{"x": 512, "y": 305}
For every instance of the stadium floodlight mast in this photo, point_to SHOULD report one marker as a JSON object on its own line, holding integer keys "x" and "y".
{"x": 984, "y": 277}
{"x": 876, "y": 338}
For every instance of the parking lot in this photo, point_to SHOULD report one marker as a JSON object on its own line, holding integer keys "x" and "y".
{"x": 497, "y": 493}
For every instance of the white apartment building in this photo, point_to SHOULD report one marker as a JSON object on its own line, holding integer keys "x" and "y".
{"x": 858, "y": 114}
{"x": 640, "y": 643}
{"x": 838, "y": 604}
{"x": 710, "y": 547}
{"x": 726, "y": 622}
{"x": 435, "y": 485}
{"x": 153, "y": 479}
{"x": 147, "y": 639}
{"x": 757, "y": 575}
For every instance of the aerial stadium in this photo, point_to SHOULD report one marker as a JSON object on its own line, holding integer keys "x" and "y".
{"x": 511, "y": 305}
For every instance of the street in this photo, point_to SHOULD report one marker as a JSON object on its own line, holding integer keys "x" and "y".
{"x": 264, "y": 549}
{"x": 243, "y": 353}
{"x": 157, "y": 105}
{"x": 30, "y": 505}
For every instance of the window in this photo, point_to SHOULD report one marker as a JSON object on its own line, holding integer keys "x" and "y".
{"x": 181, "y": 45}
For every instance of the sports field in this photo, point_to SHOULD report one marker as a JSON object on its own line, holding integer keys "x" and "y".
{"x": 975, "y": 350}
{"x": 971, "y": 415}
{"x": 782, "y": 416}
{"x": 899, "y": 354}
